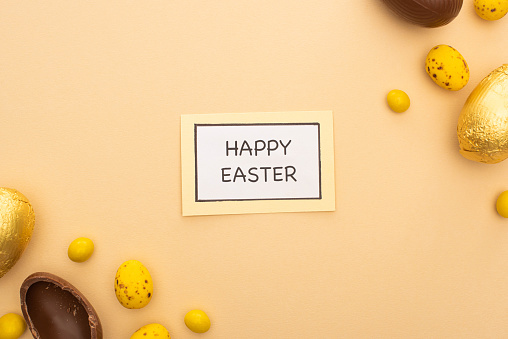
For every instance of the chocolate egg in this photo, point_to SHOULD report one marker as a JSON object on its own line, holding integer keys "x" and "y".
{"x": 482, "y": 128}
{"x": 54, "y": 309}
{"x": 427, "y": 13}
{"x": 17, "y": 221}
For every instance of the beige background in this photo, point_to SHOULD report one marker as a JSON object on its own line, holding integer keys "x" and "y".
{"x": 91, "y": 95}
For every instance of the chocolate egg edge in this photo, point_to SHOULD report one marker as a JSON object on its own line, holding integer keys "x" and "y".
{"x": 93, "y": 318}
{"x": 415, "y": 13}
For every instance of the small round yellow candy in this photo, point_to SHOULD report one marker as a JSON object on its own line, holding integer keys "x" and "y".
{"x": 197, "y": 321}
{"x": 151, "y": 331}
{"x": 491, "y": 9}
{"x": 447, "y": 67}
{"x": 80, "y": 249}
{"x": 12, "y": 326}
{"x": 398, "y": 100}
{"x": 502, "y": 204}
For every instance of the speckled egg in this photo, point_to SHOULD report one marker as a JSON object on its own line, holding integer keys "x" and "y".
{"x": 491, "y": 9}
{"x": 447, "y": 67}
{"x": 151, "y": 331}
{"x": 133, "y": 285}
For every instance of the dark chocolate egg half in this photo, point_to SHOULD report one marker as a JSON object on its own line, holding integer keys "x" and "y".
{"x": 427, "y": 13}
{"x": 54, "y": 309}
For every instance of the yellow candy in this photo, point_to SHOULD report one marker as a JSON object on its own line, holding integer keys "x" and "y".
{"x": 491, "y": 9}
{"x": 12, "y": 326}
{"x": 151, "y": 331}
{"x": 447, "y": 67}
{"x": 197, "y": 321}
{"x": 80, "y": 249}
{"x": 398, "y": 100}
{"x": 502, "y": 204}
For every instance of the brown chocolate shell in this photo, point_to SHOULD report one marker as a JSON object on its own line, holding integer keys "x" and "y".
{"x": 427, "y": 13}
{"x": 54, "y": 309}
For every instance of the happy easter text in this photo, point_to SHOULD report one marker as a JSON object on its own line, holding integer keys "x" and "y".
{"x": 263, "y": 173}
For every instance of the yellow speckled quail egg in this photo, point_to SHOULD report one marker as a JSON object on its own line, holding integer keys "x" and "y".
{"x": 447, "y": 67}
{"x": 133, "y": 285}
{"x": 491, "y": 9}
{"x": 151, "y": 331}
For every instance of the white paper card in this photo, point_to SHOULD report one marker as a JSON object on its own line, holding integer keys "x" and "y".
{"x": 257, "y": 161}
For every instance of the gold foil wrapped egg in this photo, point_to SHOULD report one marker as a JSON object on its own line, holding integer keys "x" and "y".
{"x": 483, "y": 122}
{"x": 17, "y": 221}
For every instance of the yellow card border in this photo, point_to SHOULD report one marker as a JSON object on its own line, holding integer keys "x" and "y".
{"x": 327, "y": 201}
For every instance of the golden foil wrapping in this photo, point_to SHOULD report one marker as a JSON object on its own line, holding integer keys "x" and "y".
{"x": 483, "y": 122}
{"x": 17, "y": 221}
